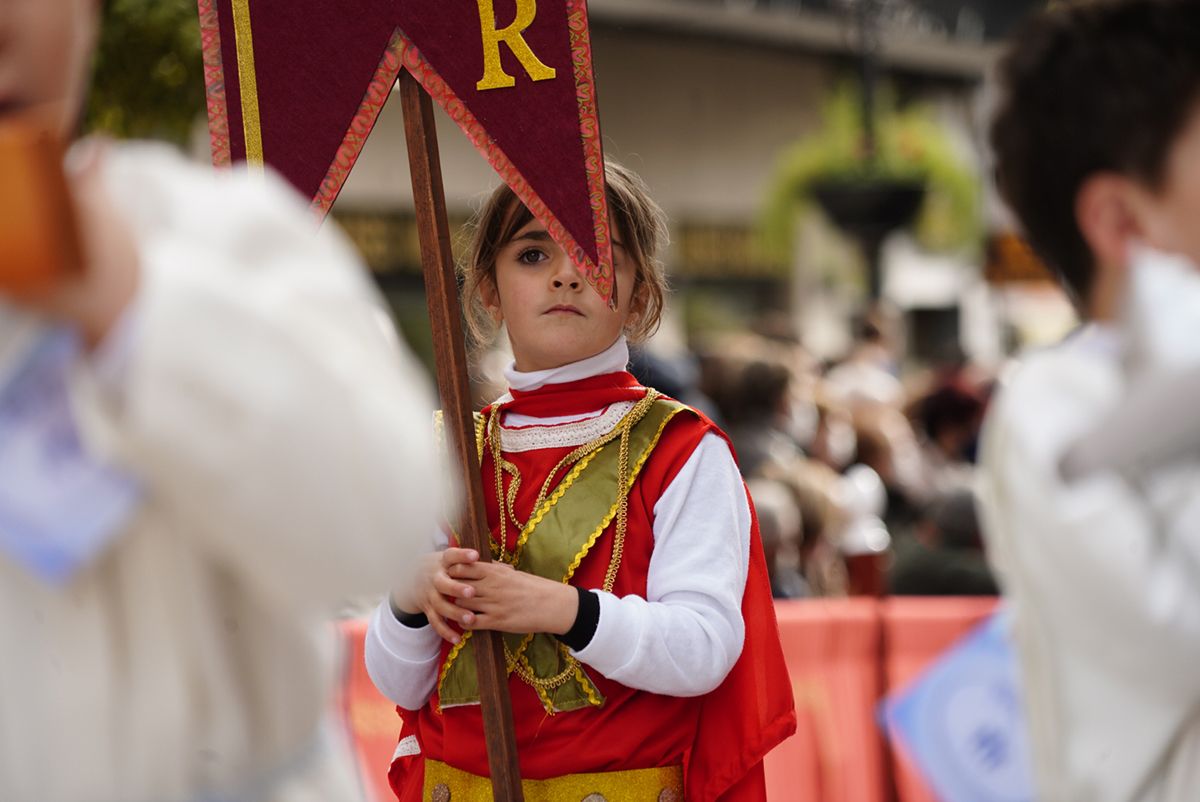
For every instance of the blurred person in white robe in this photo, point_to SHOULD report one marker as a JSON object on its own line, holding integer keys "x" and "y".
{"x": 238, "y": 365}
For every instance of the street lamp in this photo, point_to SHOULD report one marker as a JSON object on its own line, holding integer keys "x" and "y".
{"x": 870, "y": 206}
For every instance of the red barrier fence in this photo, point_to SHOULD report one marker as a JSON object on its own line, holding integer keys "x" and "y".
{"x": 832, "y": 652}
{"x": 371, "y": 718}
{"x": 843, "y": 656}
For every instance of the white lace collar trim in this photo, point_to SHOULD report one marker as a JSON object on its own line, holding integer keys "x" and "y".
{"x": 561, "y": 435}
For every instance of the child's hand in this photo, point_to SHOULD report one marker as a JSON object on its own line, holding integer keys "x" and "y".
{"x": 434, "y": 592}
{"x": 508, "y": 600}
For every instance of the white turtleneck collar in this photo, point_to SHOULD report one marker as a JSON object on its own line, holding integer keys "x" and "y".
{"x": 613, "y": 359}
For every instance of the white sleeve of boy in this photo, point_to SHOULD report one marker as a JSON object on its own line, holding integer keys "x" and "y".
{"x": 402, "y": 661}
{"x": 261, "y": 394}
{"x": 1101, "y": 559}
{"x": 686, "y": 635}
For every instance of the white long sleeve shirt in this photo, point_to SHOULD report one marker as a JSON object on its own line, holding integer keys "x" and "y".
{"x": 685, "y": 636}
{"x": 1102, "y": 577}
{"x": 281, "y": 438}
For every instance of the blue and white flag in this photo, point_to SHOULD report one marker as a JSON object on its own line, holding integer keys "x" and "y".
{"x": 962, "y": 723}
{"x": 59, "y": 505}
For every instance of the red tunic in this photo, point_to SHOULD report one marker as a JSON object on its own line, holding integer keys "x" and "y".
{"x": 633, "y": 729}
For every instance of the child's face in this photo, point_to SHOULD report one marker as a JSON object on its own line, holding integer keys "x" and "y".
{"x": 552, "y": 314}
{"x": 45, "y": 52}
{"x": 1171, "y": 218}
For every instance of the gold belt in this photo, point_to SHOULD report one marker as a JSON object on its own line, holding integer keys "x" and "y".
{"x": 447, "y": 784}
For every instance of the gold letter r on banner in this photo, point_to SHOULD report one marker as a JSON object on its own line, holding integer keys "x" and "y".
{"x": 494, "y": 76}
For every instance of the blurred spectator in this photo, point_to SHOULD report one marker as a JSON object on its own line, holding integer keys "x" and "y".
{"x": 834, "y": 443}
{"x": 814, "y": 487}
{"x": 751, "y": 382}
{"x": 865, "y": 539}
{"x": 867, "y": 376}
{"x": 950, "y": 418}
{"x": 677, "y": 377}
{"x": 945, "y": 556}
{"x": 779, "y": 524}
{"x": 888, "y": 445}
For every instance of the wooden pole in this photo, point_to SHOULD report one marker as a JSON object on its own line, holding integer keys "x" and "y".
{"x": 445, "y": 319}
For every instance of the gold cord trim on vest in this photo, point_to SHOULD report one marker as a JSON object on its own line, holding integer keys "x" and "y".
{"x": 505, "y": 501}
{"x": 539, "y": 659}
{"x": 619, "y": 509}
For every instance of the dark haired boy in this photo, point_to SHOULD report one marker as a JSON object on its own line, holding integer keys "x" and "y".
{"x": 1098, "y": 153}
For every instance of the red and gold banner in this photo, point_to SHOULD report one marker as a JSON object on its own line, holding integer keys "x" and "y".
{"x": 298, "y": 85}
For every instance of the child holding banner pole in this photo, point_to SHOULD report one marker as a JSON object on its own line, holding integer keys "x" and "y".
{"x": 628, "y": 574}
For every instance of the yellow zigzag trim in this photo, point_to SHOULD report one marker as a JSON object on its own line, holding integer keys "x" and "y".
{"x": 633, "y": 475}
{"x": 450, "y": 658}
{"x": 542, "y": 693}
{"x": 612, "y": 513}
{"x": 480, "y": 424}
{"x": 549, "y": 503}
{"x": 585, "y": 682}
{"x": 521, "y": 647}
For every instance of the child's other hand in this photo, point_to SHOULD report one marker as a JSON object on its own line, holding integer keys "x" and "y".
{"x": 434, "y": 592}
{"x": 507, "y": 600}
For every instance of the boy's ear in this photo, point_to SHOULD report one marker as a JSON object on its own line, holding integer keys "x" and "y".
{"x": 1108, "y": 215}
{"x": 490, "y": 296}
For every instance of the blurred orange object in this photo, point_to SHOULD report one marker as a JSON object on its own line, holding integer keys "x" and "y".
{"x": 39, "y": 241}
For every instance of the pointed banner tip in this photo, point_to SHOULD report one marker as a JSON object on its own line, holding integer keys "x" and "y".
{"x": 273, "y": 99}
{"x": 553, "y": 160}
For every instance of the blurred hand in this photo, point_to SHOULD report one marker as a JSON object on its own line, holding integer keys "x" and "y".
{"x": 434, "y": 592}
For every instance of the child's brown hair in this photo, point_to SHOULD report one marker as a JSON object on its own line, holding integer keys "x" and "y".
{"x": 638, "y": 223}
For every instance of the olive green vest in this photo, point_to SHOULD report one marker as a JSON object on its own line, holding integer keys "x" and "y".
{"x": 560, "y": 534}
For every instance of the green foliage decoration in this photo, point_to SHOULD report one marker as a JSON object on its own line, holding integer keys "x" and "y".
{"x": 148, "y": 74}
{"x": 909, "y": 145}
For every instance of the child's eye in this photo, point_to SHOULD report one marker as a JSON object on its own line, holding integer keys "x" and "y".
{"x": 532, "y": 256}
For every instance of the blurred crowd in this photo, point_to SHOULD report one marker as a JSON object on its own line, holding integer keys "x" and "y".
{"x": 861, "y": 475}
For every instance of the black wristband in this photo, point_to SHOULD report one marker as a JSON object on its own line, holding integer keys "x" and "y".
{"x": 586, "y": 619}
{"x": 410, "y": 620}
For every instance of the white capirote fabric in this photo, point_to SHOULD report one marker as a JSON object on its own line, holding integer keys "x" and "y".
{"x": 283, "y": 441}
{"x": 1101, "y": 572}
{"x": 685, "y": 636}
